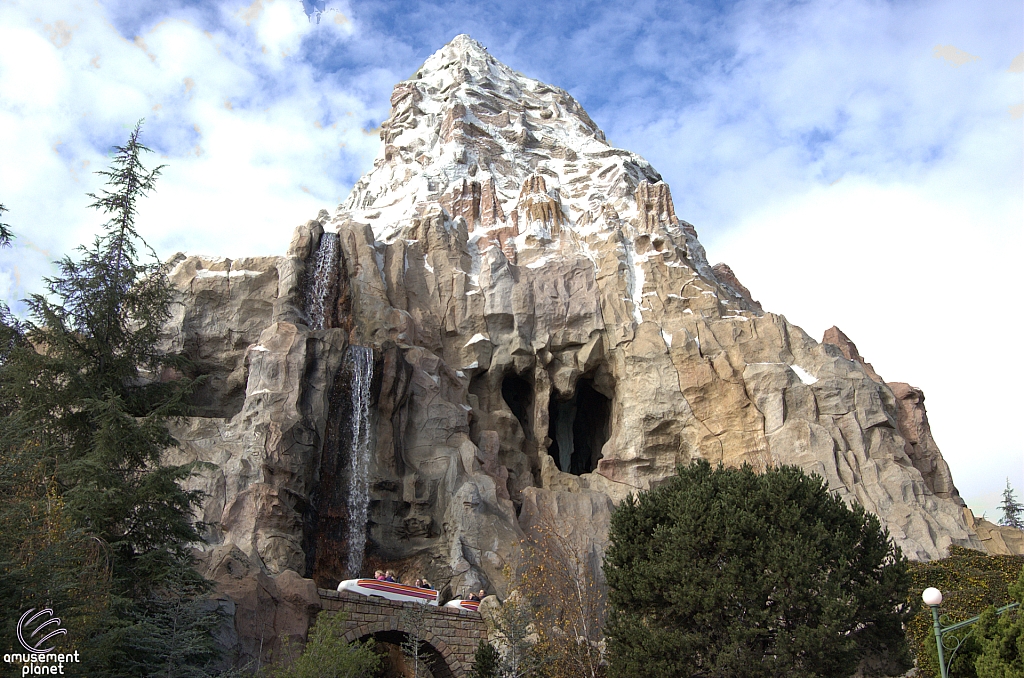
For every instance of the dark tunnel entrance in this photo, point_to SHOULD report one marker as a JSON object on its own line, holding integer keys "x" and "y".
{"x": 579, "y": 427}
{"x": 392, "y": 645}
{"x": 518, "y": 395}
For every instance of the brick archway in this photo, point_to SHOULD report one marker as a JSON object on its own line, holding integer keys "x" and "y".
{"x": 451, "y": 634}
{"x": 442, "y": 664}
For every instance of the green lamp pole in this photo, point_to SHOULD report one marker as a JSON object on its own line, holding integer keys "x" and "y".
{"x": 932, "y": 597}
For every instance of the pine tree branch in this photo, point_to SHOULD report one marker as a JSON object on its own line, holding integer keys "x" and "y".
{"x": 6, "y": 235}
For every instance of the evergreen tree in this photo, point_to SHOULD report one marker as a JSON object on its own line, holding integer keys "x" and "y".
{"x": 170, "y": 631}
{"x": 44, "y": 556}
{"x": 725, "y": 572}
{"x": 85, "y": 411}
{"x": 1013, "y": 511}
{"x": 10, "y": 327}
{"x": 486, "y": 661}
{"x": 5, "y": 229}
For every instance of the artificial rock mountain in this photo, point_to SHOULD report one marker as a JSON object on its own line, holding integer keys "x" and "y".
{"x": 547, "y": 337}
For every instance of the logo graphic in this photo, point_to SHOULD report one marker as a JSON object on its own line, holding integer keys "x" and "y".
{"x": 50, "y": 626}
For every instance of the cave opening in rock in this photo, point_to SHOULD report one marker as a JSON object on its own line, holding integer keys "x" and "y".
{"x": 578, "y": 428}
{"x": 518, "y": 395}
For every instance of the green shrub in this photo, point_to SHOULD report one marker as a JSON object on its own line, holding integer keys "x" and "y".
{"x": 970, "y": 581}
{"x": 1001, "y": 639}
{"x": 485, "y": 661}
{"x": 327, "y": 655}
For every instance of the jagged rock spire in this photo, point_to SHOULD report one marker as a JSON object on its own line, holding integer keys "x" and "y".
{"x": 470, "y": 134}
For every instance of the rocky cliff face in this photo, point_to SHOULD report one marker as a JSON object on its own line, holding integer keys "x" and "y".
{"x": 911, "y": 423}
{"x": 547, "y": 336}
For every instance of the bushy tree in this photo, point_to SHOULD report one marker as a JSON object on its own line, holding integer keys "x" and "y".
{"x": 727, "y": 572}
{"x": 1013, "y": 512}
{"x": 45, "y": 559}
{"x": 85, "y": 414}
{"x": 327, "y": 655}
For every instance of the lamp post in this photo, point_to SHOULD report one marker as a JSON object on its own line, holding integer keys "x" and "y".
{"x": 932, "y": 597}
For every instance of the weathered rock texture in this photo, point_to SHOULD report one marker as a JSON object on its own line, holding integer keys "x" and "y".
{"x": 911, "y": 422}
{"x": 262, "y": 612}
{"x": 547, "y": 333}
{"x": 919, "y": 445}
{"x": 838, "y": 338}
{"x": 997, "y": 539}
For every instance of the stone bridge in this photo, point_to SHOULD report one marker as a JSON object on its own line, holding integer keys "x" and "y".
{"x": 451, "y": 634}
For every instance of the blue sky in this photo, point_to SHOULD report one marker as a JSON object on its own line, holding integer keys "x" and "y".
{"x": 856, "y": 162}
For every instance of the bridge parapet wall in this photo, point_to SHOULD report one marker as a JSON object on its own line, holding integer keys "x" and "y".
{"x": 454, "y": 633}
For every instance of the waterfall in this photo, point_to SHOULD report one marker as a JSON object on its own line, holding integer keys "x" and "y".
{"x": 322, "y": 281}
{"x": 361, "y": 361}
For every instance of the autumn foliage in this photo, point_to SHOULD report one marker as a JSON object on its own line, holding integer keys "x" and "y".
{"x": 551, "y": 622}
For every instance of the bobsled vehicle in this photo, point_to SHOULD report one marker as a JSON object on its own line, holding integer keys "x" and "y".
{"x": 391, "y": 591}
{"x": 472, "y": 605}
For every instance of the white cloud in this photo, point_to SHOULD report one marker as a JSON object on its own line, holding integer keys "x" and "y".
{"x": 252, "y": 140}
{"x": 808, "y": 94}
{"x": 35, "y": 84}
{"x": 279, "y": 26}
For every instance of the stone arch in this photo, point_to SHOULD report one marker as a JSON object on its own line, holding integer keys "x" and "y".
{"x": 440, "y": 659}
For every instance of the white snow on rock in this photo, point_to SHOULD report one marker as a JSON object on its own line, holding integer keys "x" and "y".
{"x": 419, "y": 164}
{"x": 468, "y": 134}
{"x": 538, "y": 263}
{"x": 805, "y": 376}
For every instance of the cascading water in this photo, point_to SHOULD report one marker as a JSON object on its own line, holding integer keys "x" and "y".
{"x": 361, "y": 361}
{"x": 322, "y": 281}
{"x": 336, "y": 519}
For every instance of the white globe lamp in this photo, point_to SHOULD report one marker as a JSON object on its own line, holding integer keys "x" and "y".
{"x": 932, "y": 596}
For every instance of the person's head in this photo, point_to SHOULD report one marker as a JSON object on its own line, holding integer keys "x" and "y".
{"x": 419, "y": 583}
{"x": 390, "y": 573}
{"x": 378, "y": 574}
{"x": 482, "y": 594}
